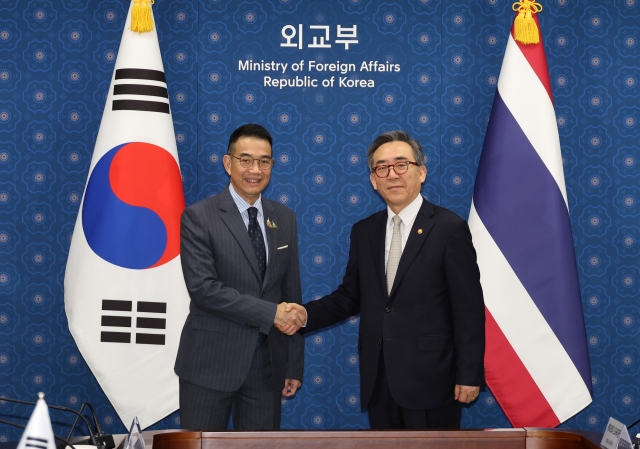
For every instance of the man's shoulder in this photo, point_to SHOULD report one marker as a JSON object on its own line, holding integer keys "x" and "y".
{"x": 371, "y": 220}
{"x": 279, "y": 207}
{"x": 445, "y": 216}
{"x": 207, "y": 205}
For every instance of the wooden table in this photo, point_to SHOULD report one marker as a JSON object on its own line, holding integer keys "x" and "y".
{"x": 527, "y": 438}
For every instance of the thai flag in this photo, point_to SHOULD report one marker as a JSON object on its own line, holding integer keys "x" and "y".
{"x": 536, "y": 360}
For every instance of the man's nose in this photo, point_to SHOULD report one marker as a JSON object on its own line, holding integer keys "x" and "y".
{"x": 392, "y": 173}
{"x": 255, "y": 165}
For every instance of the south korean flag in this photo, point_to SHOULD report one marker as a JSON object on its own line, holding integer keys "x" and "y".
{"x": 125, "y": 296}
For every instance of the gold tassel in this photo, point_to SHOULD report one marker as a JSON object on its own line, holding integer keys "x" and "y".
{"x": 141, "y": 16}
{"x": 525, "y": 29}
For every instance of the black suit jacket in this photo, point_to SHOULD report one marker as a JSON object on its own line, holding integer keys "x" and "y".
{"x": 431, "y": 326}
{"x": 230, "y": 303}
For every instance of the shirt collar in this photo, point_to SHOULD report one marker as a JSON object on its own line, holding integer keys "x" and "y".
{"x": 409, "y": 213}
{"x": 243, "y": 204}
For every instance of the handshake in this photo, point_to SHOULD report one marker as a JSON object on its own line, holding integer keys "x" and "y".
{"x": 290, "y": 317}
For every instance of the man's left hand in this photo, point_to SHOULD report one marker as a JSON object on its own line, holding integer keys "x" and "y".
{"x": 290, "y": 387}
{"x": 466, "y": 394}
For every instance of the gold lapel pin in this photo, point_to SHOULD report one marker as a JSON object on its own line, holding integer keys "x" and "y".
{"x": 419, "y": 231}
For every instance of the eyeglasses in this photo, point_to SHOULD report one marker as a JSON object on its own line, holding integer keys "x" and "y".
{"x": 247, "y": 162}
{"x": 382, "y": 171}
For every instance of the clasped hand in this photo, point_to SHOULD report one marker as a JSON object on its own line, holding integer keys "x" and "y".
{"x": 289, "y": 317}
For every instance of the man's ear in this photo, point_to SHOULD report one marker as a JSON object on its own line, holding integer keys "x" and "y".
{"x": 423, "y": 174}
{"x": 373, "y": 179}
{"x": 226, "y": 161}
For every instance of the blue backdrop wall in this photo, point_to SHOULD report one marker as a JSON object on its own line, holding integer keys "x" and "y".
{"x": 56, "y": 61}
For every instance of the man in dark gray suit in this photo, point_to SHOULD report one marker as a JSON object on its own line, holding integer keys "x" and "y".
{"x": 239, "y": 255}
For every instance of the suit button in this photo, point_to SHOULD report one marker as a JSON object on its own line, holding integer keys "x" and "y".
{"x": 262, "y": 295}
{"x": 388, "y": 309}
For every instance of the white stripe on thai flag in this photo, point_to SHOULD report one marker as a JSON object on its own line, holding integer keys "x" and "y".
{"x": 537, "y": 362}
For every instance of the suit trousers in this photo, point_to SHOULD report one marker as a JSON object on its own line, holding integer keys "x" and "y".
{"x": 255, "y": 406}
{"x": 385, "y": 413}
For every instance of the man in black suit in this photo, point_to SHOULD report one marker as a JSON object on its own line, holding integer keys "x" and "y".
{"x": 412, "y": 276}
{"x": 239, "y": 254}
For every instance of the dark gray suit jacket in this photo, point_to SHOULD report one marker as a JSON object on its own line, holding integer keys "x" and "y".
{"x": 230, "y": 304}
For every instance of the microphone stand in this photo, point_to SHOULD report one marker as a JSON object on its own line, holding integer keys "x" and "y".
{"x": 105, "y": 440}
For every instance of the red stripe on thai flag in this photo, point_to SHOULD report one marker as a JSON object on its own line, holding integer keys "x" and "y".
{"x": 511, "y": 384}
{"x": 537, "y": 59}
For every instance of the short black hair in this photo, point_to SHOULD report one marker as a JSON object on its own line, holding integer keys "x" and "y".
{"x": 249, "y": 130}
{"x": 396, "y": 136}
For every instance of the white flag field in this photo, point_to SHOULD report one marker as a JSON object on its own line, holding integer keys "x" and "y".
{"x": 125, "y": 296}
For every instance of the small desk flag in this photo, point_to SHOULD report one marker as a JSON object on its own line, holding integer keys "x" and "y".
{"x": 38, "y": 434}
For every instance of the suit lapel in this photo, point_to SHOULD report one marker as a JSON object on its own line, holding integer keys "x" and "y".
{"x": 271, "y": 214}
{"x": 377, "y": 238}
{"x": 414, "y": 242}
{"x": 234, "y": 222}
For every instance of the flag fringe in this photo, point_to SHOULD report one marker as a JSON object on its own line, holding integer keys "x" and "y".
{"x": 525, "y": 29}
{"x": 141, "y": 16}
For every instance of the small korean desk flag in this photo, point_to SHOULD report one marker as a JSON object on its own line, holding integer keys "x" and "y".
{"x": 38, "y": 434}
{"x": 125, "y": 296}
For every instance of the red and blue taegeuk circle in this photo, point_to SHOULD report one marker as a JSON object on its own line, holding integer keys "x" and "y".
{"x": 132, "y": 206}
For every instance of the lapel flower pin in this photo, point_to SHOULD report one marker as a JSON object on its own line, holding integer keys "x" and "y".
{"x": 271, "y": 224}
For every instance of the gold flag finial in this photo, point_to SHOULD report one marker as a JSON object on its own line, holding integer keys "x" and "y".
{"x": 141, "y": 16}
{"x": 525, "y": 29}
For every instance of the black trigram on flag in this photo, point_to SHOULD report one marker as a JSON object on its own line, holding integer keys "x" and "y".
{"x": 125, "y": 320}
{"x": 39, "y": 443}
{"x": 139, "y": 88}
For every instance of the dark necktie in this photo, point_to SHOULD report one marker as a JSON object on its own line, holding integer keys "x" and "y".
{"x": 257, "y": 240}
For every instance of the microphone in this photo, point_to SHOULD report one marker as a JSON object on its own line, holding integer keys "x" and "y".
{"x": 92, "y": 438}
{"x": 24, "y": 427}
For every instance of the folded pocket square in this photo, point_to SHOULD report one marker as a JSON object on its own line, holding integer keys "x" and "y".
{"x": 283, "y": 247}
